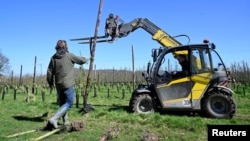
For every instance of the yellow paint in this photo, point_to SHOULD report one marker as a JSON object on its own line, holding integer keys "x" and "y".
{"x": 173, "y": 100}
{"x": 165, "y": 39}
{"x": 202, "y": 78}
{"x": 201, "y": 81}
{"x": 177, "y": 81}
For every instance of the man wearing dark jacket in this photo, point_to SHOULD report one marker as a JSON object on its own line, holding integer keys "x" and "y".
{"x": 185, "y": 69}
{"x": 184, "y": 63}
{"x": 61, "y": 73}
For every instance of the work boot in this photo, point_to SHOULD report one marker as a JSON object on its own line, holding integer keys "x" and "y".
{"x": 65, "y": 119}
{"x": 53, "y": 120}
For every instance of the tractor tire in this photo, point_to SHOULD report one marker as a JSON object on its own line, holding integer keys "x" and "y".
{"x": 218, "y": 106}
{"x": 142, "y": 103}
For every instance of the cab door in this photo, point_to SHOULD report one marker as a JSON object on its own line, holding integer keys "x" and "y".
{"x": 201, "y": 73}
{"x": 173, "y": 92}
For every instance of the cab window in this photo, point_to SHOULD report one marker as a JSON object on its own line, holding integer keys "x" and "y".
{"x": 200, "y": 60}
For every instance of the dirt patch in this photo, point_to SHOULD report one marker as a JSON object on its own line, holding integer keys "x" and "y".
{"x": 76, "y": 126}
{"x": 149, "y": 136}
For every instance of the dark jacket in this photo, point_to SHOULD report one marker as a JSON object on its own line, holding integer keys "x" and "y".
{"x": 61, "y": 69}
{"x": 185, "y": 66}
{"x": 185, "y": 70}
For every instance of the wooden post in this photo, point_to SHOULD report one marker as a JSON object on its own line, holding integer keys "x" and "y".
{"x": 20, "y": 79}
{"x": 133, "y": 67}
{"x": 12, "y": 77}
{"x": 3, "y": 94}
{"x": 95, "y": 93}
{"x": 113, "y": 78}
{"x": 43, "y": 95}
{"x": 77, "y": 100}
{"x": 92, "y": 53}
{"x": 34, "y": 78}
{"x": 244, "y": 91}
{"x": 15, "y": 89}
{"x": 123, "y": 93}
{"x": 108, "y": 92}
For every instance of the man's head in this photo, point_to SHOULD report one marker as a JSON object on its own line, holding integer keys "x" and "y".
{"x": 181, "y": 57}
{"x": 61, "y": 44}
{"x": 111, "y": 15}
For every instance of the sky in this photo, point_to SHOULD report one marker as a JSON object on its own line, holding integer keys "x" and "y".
{"x": 29, "y": 29}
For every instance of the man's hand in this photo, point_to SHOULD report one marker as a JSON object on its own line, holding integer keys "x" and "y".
{"x": 89, "y": 59}
{"x": 51, "y": 84}
{"x": 174, "y": 72}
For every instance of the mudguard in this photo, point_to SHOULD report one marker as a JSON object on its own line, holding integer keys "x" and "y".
{"x": 225, "y": 89}
{"x": 141, "y": 91}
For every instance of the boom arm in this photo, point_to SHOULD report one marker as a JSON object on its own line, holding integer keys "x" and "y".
{"x": 157, "y": 34}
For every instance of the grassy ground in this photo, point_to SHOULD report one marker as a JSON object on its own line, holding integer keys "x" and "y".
{"x": 109, "y": 117}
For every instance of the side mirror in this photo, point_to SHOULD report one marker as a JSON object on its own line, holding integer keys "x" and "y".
{"x": 148, "y": 67}
{"x": 213, "y": 46}
{"x": 144, "y": 74}
{"x": 155, "y": 54}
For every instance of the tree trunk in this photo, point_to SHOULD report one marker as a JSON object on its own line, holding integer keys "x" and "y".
{"x": 86, "y": 107}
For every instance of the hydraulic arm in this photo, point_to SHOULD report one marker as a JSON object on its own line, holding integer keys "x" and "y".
{"x": 157, "y": 34}
{"x": 123, "y": 29}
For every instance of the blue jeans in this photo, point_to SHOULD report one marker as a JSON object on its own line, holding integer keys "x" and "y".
{"x": 66, "y": 97}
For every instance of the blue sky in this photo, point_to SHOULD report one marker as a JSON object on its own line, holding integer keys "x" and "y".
{"x": 31, "y": 28}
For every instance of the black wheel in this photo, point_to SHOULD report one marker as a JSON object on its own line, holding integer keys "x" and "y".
{"x": 142, "y": 103}
{"x": 219, "y": 106}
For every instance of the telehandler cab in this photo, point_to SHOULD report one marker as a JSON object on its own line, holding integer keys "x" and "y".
{"x": 203, "y": 89}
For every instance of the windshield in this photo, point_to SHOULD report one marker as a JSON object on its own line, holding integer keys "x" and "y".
{"x": 200, "y": 59}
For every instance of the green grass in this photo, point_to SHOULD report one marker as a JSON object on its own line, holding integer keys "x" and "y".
{"x": 109, "y": 115}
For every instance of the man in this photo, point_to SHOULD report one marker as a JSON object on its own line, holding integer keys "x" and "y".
{"x": 61, "y": 72}
{"x": 183, "y": 62}
{"x": 184, "y": 65}
{"x": 110, "y": 25}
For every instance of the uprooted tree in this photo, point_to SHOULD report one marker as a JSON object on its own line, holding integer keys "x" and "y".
{"x": 92, "y": 45}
